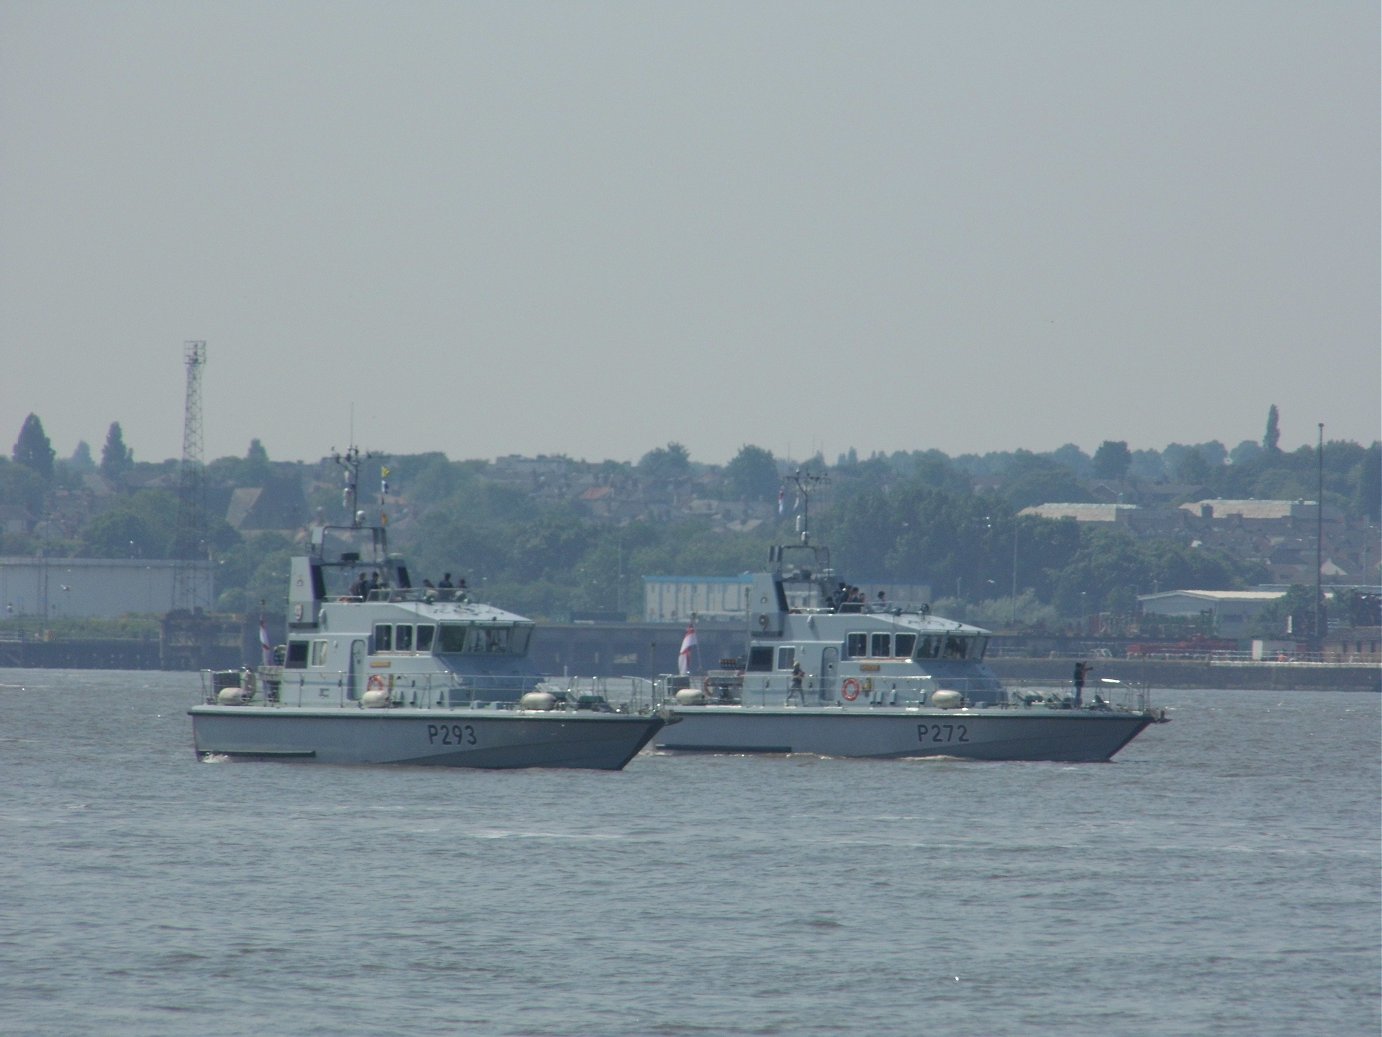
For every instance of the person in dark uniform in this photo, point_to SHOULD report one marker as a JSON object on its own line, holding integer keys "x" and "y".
{"x": 797, "y": 674}
{"x": 1081, "y": 668}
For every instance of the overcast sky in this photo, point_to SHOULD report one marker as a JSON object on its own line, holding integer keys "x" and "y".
{"x": 594, "y": 228}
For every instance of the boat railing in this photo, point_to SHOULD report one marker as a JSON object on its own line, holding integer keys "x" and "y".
{"x": 879, "y": 690}
{"x": 626, "y": 694}
{"x": 1098, "y": 693}
{"x": 425, "y": 595}
{"x": 324, "y": 689}
{"x": 777, "y": 689}
{"x": 877, "y": 608}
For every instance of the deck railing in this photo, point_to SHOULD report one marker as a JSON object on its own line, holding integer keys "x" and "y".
{"x": 319, "y": 689}
{"x": 775, "y": 689}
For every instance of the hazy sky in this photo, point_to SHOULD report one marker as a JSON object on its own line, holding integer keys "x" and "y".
{"x": 594, "y": 228}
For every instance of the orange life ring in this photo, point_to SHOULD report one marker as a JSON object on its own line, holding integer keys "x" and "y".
{"x": 375, "y": 683}
{"x": 850, "y": 689}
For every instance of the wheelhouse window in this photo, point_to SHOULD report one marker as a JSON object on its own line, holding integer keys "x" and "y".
{"x": 929, "y": 647}
{"x": 478, "y": 639}
{"x": 786, "y": 657}
{"x": 383, "y": 637}
{"x": 857, "y": 645}
{"x": 881, "y": 646}
{"x": 425, "y": 634}
{"x": 402, "y": 638}
{"x": 904, "y": 645}
{"x": 297, "y": 656}
{"x": 760, "y": 658}
{"x": 318, "y": 653}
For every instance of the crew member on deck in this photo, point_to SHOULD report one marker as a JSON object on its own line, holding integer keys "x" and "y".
{"x": 1081, "y": 668}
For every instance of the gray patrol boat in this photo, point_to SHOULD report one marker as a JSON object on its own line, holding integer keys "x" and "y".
{"x": 378, "y": 671}
{"x": 835, "y": 676}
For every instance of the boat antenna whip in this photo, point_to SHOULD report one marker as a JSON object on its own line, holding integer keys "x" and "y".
{"x": 805, "y": 483}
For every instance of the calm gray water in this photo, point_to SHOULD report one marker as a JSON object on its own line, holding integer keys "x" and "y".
{"x": 1220, "y": 877}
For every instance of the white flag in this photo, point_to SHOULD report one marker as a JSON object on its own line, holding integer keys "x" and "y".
{"x": 687, "y": 643}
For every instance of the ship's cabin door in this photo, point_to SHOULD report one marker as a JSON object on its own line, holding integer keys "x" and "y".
{"x": 830, "y": 666}
{"x": 359, "y": 672}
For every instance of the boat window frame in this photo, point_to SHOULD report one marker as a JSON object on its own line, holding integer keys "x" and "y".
{"x": 403, "y": 632}
{"x": 425, "y": 632}
{"x": 786, "y": 657}
{"x": 857, "y": 644}
{"x": 483, "y": 639}
{"x": 883, "y": 639}
{"x": 296, "y": 656}
{"x": 451, "y": 638}
{"x": 760, "y": 659}
{"x": 317, "y": 657}
{"x": 383, "y": 637}
{"x": 898, "y": 646}
{"x": 929, "y": 646}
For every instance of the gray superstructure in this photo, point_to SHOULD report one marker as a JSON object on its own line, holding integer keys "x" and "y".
{"x": 376, "y": 670}
{"x": 827, "y": 672}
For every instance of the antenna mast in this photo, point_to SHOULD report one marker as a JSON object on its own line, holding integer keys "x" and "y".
{"x": 191, "y": 580}
{"x": 806, "y": 484}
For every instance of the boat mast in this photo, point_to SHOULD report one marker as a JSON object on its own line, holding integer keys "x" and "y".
{"x": 805, "y": 483}
{"x": 350, "y": 495}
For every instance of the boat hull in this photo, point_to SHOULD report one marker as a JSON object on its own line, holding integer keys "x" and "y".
{"x": 490, "y": 739}
{"x": 988, "y": 734}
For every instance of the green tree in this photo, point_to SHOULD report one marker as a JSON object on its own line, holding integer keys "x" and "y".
{"x": 116, "y": 458}
{"x": 20, "y": 484}
{"x": 1072, "y": 457}
{"x": 666, "y": 463}
{"x": 1032, "y": 479}
{"x": 257, "y": 470}
{"x": 81, "y": 457}
{"x": 1273, "y": 434}
{"x": 752, "y": 475}
{"x": 254, "y": 571}
{"x": 137, "y": 526}
{"x": 33, "y": 450}
{"x": 1245, "y": 452}
{"x": 1292, "y": 615}
{"x": 1112, "y": 459}
{"x": 1193, "y": 469}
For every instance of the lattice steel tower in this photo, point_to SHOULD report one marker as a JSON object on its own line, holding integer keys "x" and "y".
{"x": 191, "y": 581}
